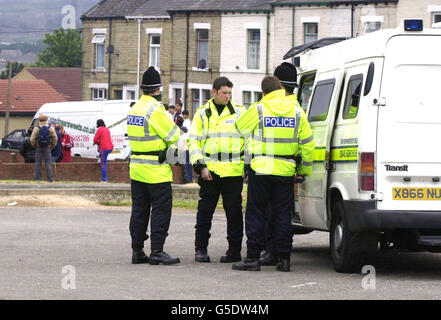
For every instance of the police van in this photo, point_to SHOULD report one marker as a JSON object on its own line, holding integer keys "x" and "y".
{"x": 79, "y": 121}
{"x": 374, "y": 106}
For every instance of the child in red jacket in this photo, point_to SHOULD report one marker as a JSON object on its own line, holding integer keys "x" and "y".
{"x": 103, "y": 139}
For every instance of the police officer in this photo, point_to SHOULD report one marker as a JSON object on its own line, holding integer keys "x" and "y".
{"x": 150, "y": 132}
{"x": 279, "y": 133}
{"x": 287, "y": 75}
{"x": 216, "y": 151}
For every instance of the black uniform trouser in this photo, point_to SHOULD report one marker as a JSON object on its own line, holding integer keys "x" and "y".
{"x": 231, "y": 190}
{"x": 158, "y": 198}
{"x": 270, "y": 245}
{"x": 277, "y": 191}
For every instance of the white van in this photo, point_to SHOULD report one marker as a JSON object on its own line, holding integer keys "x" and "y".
{"x": 374, "y": 106}
{"x": 79, "y": 121}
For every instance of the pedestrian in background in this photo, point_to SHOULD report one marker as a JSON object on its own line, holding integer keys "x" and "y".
{"x": 44, "y": 139}
{"x": 171, "y": 112}
{"x": 187, "y": 122}
{"x": 66, "y": 144}
{"x": 150, "y": 132}
{"x": 103, "y": 140}
{"x": 26, "y": 149}
{"x": 184, "y": 155}
{"x": 177, "y": 117}
{"x": 56, "y": 152}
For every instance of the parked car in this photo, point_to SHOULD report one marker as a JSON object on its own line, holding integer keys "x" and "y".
{"x": 14, "y": 140}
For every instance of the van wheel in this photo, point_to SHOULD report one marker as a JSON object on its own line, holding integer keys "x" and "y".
{"x": 349, "y": 250}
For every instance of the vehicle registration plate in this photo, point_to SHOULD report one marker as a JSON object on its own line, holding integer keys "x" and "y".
{"x": 116, "y": 151}
{"x": 416, "y": 193}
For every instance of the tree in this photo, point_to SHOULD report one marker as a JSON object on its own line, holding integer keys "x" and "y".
{"x": 63, "y": 49}
{"x": 16, "y": 68}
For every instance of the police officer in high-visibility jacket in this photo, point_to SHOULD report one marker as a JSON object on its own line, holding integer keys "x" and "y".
{"x": 279, "y": 134}
{"x": 287, "y": 75}
{"x": 216, "y": 152}
{"x": 150, "y": 132}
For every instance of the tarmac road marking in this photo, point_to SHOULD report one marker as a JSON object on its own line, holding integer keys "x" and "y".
{"x": 304, "y": 284}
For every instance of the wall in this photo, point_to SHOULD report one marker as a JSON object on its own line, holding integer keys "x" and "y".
{"x": 125, "y": 59}
{"x": 14, "y": 123}
{"x": 12, "y": 167}
{"x": 179, "y": 40}
{"x": 234, "y": 51}
{"x": 412, "y": 9}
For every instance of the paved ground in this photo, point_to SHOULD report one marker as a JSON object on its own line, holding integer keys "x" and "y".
{"x": 93, "y": 245}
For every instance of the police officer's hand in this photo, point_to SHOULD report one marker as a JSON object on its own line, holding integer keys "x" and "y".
{"x": 245, "y": 177}
{"x": 299, "y": 179}
{"x": 206, "y": 175}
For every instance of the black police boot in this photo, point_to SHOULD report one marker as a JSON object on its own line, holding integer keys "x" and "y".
{"x": 247, "y": 264}
{"x": 284, "y": 265}
{"x": 231, "y": 256}
{"x": 268, "y": 259}
{"x": 160, "y": 257}
{"x": 138, "y": 256}
{"x": 201, "y": 255}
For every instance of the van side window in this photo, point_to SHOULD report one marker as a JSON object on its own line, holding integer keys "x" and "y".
{"x": 352, "y": 100}
{"x": 321, "y": 100}
{"x": 305, "y": 90}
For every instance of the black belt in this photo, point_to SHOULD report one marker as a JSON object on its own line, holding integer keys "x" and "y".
{"x": 219, "y": 155}
{"x": 150, "y": 153}
{"x": 292, "y": 157}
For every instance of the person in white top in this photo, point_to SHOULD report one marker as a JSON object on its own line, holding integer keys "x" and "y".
{"x": 184, "y": 155}
{"x": 171, "y": 113}
{"x": 187, "y": 121}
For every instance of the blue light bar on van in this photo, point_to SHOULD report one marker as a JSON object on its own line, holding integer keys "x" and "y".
{"x": 413, "y": 25}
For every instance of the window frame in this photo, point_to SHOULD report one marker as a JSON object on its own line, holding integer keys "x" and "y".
{"x": 301, "y": 87}
{"x": 156, "y": 47}
{"x": 99, "y": 41}
{"x": 345, "y": 112}
{"x": 249, "y": 43}
{"x": 198, "y": 41}
{"x": 103, "y": 92}
{"x": 318, "y": 117}
{"x": 436, "y": 13}
{"x": 306, "y": 34}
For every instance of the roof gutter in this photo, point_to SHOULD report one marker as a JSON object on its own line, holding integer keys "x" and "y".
{"x": 329, "y": 3}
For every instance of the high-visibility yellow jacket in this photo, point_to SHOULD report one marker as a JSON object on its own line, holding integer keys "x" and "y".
{"x": 150, "y": 130}
{"x": 279, "y": 132}
{"x": 214, "y": 141}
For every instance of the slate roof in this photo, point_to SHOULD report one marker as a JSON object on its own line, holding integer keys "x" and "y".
{"x": 66, "y": 81}
{"x": 331, "y": 2}
{"x": 27, "y": 96}
{"x": 161, "y": 8}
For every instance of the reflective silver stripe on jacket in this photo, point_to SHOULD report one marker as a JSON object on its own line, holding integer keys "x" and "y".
{"x": 307, "y": 164}
{"x": 171, "y": 133}
{"x": 145, "y": 161}
{"x": 141, "y": 139}
{"x": 275, "y": 157}
{"x": 307, "y": 140}
{"x": 224, "y": 157}
{"x": 223, "y": 135}
{"x": 195, "y": 152}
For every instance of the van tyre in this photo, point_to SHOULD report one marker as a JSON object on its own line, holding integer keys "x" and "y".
{"x": 349, "y": 250}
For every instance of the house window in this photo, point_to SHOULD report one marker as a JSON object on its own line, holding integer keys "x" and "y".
{"x": 99, "y": 94}
{"x": 99, "y": 40}
{"x": 253, "y": 49}
{"x": 310, "y": 32}
{"x": 202, "y": 47}
{"x": 155, "y": 45}
{"x": 199, "y": 97}
{"x": 436, "y": 17}
{"x": 177, "y": 95}
{"x": 250, "y": 97}
{"x": 118, "y": 94}
{"x": 371, "y": 26}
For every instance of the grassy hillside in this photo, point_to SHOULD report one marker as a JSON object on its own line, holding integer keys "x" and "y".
{"x": 28, "y": 21}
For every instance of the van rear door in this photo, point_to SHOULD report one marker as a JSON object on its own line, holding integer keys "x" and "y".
{"x": 408, "y": 155}
{"x": 321, "y": 116}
